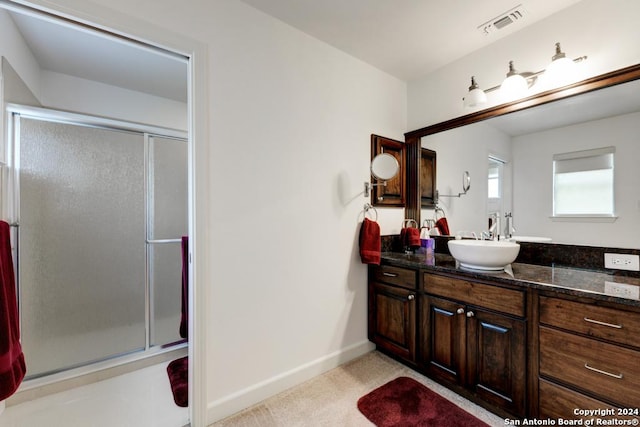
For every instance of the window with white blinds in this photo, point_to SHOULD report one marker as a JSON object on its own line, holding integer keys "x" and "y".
{"x": 583, "y": 183}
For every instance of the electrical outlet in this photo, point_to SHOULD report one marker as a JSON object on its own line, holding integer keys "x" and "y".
{"x": 622, "y": 261}
{"x": 622, "y": 290}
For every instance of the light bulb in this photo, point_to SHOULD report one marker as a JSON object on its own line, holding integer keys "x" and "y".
{"x": 476, "y": 96}
{"x": 514, "y": 86}
{"x": 560, "y": 72}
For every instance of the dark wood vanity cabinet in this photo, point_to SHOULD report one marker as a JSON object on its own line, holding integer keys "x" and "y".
{"x": 518, "y": 351}
{"x": 392, "y": 311}
{"x": 469, "y": 336}
{"x": 589, "y": 357}
{"x": 472, "y": 339}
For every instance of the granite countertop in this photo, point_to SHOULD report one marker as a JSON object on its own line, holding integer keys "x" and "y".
{"x": 567, "y": 280}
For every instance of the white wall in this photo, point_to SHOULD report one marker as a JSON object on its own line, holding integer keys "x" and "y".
{"x": 606, "y": 31}
{"x": 64, "y": 92}
{"x": 533, "y": 181}
{"x": 290, "y": 124}
{"x": 467, "y": 149}
{"x": 14, "y": 48}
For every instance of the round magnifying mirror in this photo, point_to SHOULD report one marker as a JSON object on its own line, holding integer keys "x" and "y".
{"x": 466, "y": 181}
{"x": 384, "y": 166}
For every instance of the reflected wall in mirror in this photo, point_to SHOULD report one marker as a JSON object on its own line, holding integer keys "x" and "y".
{"x": 393, "y": 193}
{"x": 526, "y": 142}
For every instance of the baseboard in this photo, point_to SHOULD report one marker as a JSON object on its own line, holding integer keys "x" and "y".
{"x": 256, "y": 393}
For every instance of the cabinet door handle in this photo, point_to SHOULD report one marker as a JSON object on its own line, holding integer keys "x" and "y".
{"x": 411, "y": 297}
{"x": 470, "y": 314}
{"x": 460, "y": 310}
{"x": 597, "y": 322}
{"x": 618, "y": 376}
{"x": 384, "y": 273}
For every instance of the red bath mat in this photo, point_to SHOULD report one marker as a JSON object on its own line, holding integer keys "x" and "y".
{"x": 178, "y": 371}
{"x": 404, "y": 402}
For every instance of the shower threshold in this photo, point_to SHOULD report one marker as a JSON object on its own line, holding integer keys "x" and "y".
{"x": 71, "y": 378}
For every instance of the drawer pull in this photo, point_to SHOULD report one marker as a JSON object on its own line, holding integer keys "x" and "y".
{"x": 618, "y": 376}
{"x": 384, "y": 273}
{"x": 597, "y": 322}
{"x": 411, "y": 297}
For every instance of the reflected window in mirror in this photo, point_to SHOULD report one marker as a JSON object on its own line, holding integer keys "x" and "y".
{"x": 495, "y": 185}
{"x": 583, "y": 183}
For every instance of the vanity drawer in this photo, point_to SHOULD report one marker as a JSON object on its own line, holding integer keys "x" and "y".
{"x": 602, "y": 322}
{"x": 602, "y": 369}
{"x": 394, "y": 276}
{"x": 492, "y": 297}
{"x": 560, "y": 402}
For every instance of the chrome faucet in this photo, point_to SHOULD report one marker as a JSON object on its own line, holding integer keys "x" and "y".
{"x": 494, "y": 227}
{"x": 509, "y": 229}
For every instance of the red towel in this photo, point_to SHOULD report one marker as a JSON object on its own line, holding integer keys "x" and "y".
{"x": 184, "y": 315}
{"x": 12, "y": 366}
{"x": 411, "y": 237}
{"x": 443, "y": 226}
{"x": 370, "y": 242}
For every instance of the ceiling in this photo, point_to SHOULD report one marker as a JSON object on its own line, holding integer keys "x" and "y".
{"x": 81, "y": 52}
{"x": 405, "y": 38}
{"x": 611, "y": 101}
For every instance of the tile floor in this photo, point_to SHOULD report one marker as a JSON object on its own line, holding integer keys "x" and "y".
{"x": 331, "y": 399}
{"x": 143, "y": 399}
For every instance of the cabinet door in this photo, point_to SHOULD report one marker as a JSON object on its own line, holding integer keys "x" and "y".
{"x": 496, "y": 359}
{"x": 392, "y": 320}
{"x": 443, "y": 339}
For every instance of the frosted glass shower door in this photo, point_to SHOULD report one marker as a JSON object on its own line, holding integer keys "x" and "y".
{"x": 81, "y": 244}
{"x": 168, "y": 222}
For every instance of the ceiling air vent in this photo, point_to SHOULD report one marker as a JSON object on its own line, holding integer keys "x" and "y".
{"x": 503, "y": 20}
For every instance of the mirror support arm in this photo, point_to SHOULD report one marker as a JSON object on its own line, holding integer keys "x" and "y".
{"x": 369, "y": 185}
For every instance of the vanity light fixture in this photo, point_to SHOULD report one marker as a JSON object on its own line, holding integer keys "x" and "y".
{"x": 561, "y": 71}
{"x": 514, "y": 86}
{"x": 476, "y": 96}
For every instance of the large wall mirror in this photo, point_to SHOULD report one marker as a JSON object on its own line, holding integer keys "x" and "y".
{"x": 510, "y": 151}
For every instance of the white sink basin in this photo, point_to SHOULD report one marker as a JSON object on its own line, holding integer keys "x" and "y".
{"x": 484, "y": 254}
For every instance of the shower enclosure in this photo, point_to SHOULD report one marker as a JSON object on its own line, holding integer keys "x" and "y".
{"x": 99, "y": 207}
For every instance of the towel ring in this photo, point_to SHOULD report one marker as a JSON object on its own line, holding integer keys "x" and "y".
{"x": 428, "y": 223}
{"x": 367, "y": 208}
{"x": 435, "y": 213}
{"x": 404, "y": 223}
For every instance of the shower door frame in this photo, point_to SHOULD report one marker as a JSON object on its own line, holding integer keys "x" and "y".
{"x": 14, "y": 114}
{"x": 137, "y": 30}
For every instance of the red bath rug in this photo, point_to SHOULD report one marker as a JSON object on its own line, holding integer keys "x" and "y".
{"x": 178, "y": 371}
{"x": 404, "y": 402}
